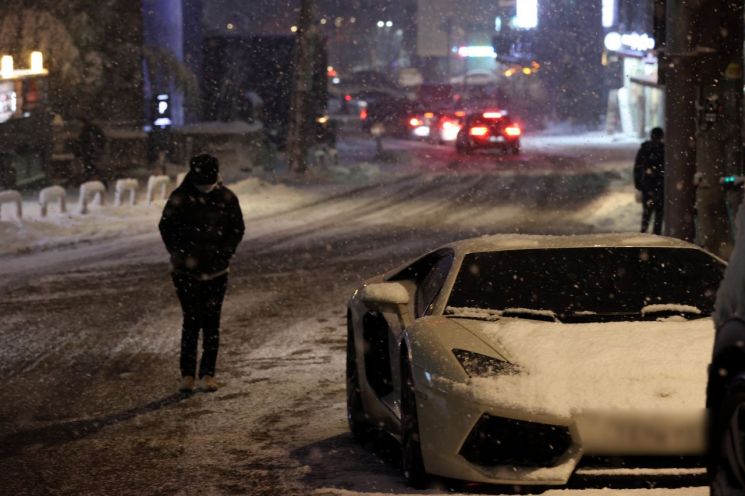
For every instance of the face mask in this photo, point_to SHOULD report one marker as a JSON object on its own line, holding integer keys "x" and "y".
{"x": 206, "y": 188}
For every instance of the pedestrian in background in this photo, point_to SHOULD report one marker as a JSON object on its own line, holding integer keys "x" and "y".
{"x": 201, "y": 226}
{"x": 649, "y": 179}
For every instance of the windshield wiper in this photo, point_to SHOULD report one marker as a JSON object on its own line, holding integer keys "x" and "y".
{"x": 473, "y": 313}
{"x": 493, "y": 315}
{"x": 531, "y": 313}
{"x": 671, "y": 309}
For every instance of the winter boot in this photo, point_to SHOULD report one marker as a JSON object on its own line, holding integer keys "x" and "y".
{"x": 187, "y": 384}
{"x": 210, "y": 384}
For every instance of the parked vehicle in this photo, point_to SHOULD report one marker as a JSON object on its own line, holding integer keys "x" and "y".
{"x": 512, "y": 359}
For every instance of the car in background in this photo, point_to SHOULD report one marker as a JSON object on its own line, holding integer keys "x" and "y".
{"x": 525, "y": 359}
{"x": 488, "y": 130}
{"x": 422, "y": 123}
{"x": 439, "y": 126}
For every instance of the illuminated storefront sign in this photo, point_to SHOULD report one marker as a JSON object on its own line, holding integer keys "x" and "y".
{"x": 477, "y": 52}
{"x": 8, "y": 101}
{"x": 632, "y": 41}
{"x": 9, "y": 71}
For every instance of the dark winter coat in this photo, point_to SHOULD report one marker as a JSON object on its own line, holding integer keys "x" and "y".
{"x": 201, "y": 230}
{"x": 649, "y": 167}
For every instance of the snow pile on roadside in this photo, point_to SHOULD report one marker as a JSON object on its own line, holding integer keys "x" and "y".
{"x": 364, "y": 171}
{"x": 36, "y": 233}
{"x": 617, "y": 210}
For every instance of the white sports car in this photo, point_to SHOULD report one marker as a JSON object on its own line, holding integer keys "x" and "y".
{"x": 512, "y": 359}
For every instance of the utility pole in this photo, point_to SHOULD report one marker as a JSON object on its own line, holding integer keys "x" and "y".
{"x": 298, "y": 139}
{"x": 702, "y": 69}
{"x": 679, "y": 72}
{"x": 719, "y": 150}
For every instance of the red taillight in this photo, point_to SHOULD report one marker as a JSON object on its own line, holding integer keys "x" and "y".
{"x": 415, "y": 122}
{"x": 363, "y": 114}
{"x": 512, "y": 131}
{"x": 492, "y": 115}
{"x": 478, "y": 131}
{"x": 347, "y": 98}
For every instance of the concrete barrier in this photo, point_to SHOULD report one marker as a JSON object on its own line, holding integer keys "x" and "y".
{"x": 126, "y": 186}
{"x": 12, "y": 196}
{"x": 90, "y": 191}
{"x": 50, "y": 195}
{"x": 157, "y": 183}
{"x": 324, "y": 156}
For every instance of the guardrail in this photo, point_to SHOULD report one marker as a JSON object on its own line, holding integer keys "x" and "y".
{"x": 93, "y": 193}
{"x": 12, "y": 196}
{"x": 52, "y": 194}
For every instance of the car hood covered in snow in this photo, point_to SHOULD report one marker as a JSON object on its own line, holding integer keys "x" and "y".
{"x": 572, "y": 369}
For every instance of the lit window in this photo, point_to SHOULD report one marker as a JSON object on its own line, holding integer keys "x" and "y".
{"x": 527, "y": 14}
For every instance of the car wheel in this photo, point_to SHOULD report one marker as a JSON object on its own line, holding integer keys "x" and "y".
{"x": 728, "y": 478}
{"x": 461, "y": 145}
{"x": 359, "y": 424}
{"x": 411, "y": 456}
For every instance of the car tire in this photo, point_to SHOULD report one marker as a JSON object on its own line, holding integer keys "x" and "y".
{"x": 411, "y": 448}
{"x": 728, "y": 477}
{"x": 462, "y": 147}
{"x": 359, "y": 424}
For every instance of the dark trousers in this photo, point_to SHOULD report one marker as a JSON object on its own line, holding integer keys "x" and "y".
{"x": 652, "y": 203}
{"x": 201, "y": 303}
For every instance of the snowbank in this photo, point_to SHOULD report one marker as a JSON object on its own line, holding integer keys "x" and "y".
{"x": 56, "y": 230}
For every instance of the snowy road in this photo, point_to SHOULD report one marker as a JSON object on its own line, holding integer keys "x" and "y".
{"x": 90, "y": 323}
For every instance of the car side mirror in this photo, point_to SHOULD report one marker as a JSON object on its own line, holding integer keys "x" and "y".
{"x": 390, "y": 293}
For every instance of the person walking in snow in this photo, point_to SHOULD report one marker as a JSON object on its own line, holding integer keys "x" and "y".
{"x": 649, "y": 178}
{"x": 201, "y": 227}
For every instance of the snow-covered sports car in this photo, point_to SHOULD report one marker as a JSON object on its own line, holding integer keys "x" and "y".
{"x": 514, "y": 359}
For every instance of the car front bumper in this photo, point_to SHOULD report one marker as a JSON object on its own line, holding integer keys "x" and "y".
{"x": 466, "y": 437}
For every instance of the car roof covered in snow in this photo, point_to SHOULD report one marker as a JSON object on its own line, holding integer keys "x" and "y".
{"x": 503, "y": 242}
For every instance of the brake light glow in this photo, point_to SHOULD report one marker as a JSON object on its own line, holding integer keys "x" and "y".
{"x": 415, "y": 122}
{"x": 460, "y": 113}
{"x": 347, "y": 98}
{"x": 492, "y": 115}
{"x": 512, "y": 131}
{"x": 429, "y": 115}
{"x": 363, "y": 114}
{"x": 478, "y": 131}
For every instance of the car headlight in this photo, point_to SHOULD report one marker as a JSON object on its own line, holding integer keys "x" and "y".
{"x": 478, "y": 365}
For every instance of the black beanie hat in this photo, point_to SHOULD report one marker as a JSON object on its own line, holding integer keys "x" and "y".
{"x": 204, "y": 168}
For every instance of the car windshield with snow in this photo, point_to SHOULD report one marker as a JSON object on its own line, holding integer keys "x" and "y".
{"x": 587, "y": 284}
